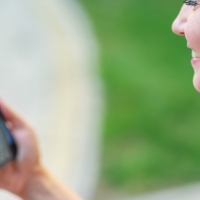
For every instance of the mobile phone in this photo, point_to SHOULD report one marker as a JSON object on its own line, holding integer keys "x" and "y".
{"x": 8, "y": 147}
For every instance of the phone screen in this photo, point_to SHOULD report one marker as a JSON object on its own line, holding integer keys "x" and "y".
{"x": 8, "y": 148}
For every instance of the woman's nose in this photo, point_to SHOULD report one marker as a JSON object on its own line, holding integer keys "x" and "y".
{"x": 178, "y": 26}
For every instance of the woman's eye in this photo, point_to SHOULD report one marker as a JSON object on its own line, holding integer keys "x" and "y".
{"x": 191, "y": 2}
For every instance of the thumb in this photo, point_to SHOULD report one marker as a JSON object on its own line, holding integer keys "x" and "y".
{"x": 10, "y": 115}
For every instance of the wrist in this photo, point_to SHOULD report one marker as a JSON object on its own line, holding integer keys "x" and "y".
{"x": 33, "y": 183}
{"x": 42, "y": 185}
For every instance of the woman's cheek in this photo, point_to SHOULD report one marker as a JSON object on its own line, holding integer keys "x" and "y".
{"x": 192, "y": 32}
{"x": 190, "y": 35}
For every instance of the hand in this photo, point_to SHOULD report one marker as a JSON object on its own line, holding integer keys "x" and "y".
{"x": 15, "y": 174}
{"x": 25, "y": 176}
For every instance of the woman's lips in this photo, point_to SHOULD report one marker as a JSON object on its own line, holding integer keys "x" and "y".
{"x": 195, "y": 58}
{"x": 194, "y": 61}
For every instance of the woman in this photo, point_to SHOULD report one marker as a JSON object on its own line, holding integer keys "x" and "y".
{"x": 26, "y": 176}
{"x": 187, "y": 24}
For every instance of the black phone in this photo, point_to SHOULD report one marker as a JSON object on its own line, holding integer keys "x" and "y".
{"x": 8, "y": 147}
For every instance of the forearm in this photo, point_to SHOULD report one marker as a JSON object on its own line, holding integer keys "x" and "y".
{"x": 44, "y": 186}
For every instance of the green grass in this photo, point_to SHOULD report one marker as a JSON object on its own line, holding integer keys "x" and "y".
{"x": 151, "y": 135}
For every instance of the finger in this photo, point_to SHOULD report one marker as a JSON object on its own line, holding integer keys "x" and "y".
{"x": 10, "y": 115}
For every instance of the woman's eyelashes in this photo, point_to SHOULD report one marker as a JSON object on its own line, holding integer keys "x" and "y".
{"x": 191, "y": 2}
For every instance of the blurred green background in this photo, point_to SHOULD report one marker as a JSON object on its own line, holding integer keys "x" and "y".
{"x": 151, "y": 137}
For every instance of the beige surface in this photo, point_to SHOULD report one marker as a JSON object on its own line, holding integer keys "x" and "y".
{"x": 187, "y": 192}
{"x": 190, "y": 192}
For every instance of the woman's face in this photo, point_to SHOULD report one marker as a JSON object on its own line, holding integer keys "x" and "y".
{"x": 187, "y": 24}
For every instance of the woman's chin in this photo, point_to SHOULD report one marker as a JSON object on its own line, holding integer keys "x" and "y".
{"x": 196, "y": 81}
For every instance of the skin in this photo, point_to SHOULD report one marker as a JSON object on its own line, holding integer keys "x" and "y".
{"x": 26, "y": 176}
{"x": 187, "y": 24}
